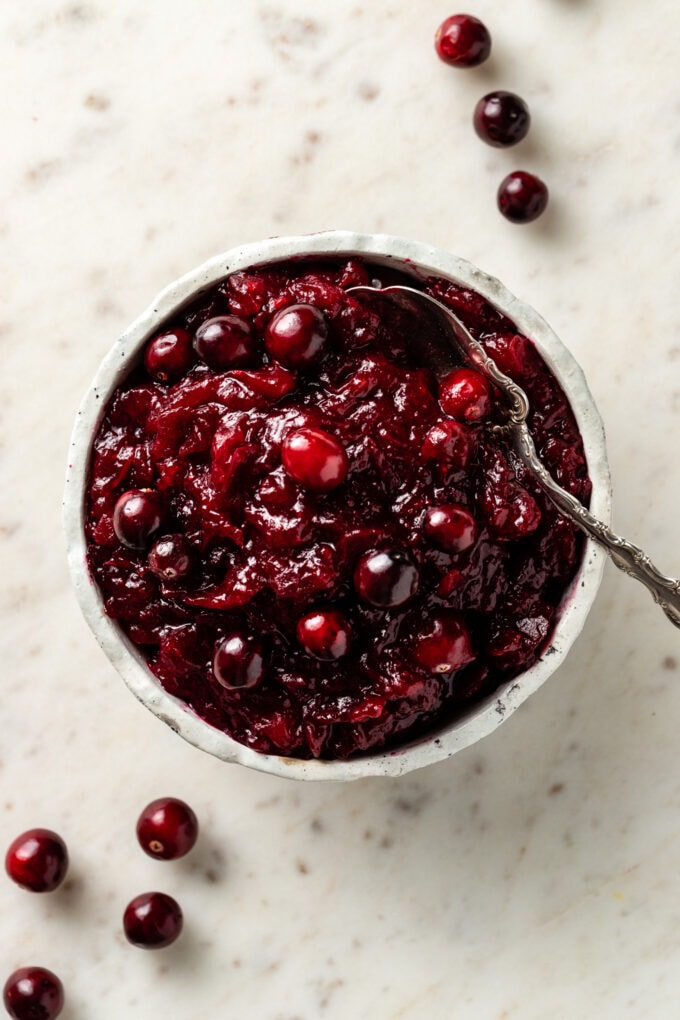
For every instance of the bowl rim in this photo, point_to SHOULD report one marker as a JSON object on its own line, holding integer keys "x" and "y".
{"x": 486, "y": 715}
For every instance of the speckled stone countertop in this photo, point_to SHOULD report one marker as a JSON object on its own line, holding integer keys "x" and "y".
{"x": 534, "y": 875}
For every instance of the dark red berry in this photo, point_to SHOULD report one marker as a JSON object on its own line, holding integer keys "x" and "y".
{"x": 501, "y": 118}
{"x": 225, "y": 342}
{"x": 137, "y": 516}
{"x": 315, "y": 459}
{"x": 169, "y": 355}
{"x": 514, "y": 514}
{"x": 444, "y": 644}
{"x": 238, "y": 661}
{"x": 325, "y": 634}
{"x": 296, "y": 336}
{"x": 152, "y": 920}
{"x": 37, "y": 860}
{"x": 462, "y": 41}
{"x": 170, "y": 557}
{"x": 449, "y": 443}
{"x": 167, "y": 829}
{"x": 33, "y": 993}
{"x": 386, "y": 578}
{"x": 522, "y": 197}
{"x": 451, "y": 527}
{"x": 465, "y": 395}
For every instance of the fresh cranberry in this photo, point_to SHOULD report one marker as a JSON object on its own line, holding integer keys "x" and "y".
{"x": 448, "y": 442}
{"x": 37, "y": 860}
{"x": 137, "y": 516}
{"x": 167, "y": 829}
{"x": 386, "y": 578}
{"x": 451, "y": 527}
{"x": 170, "y": 557}
{"x": 325, "y": 634}
{"x": 33, "y": 993}
{"x": 501, "y": 119}
{"x": 315, "y": 459}
{"x": 296, "y": 335}
{"x": 238, "y": 662}
{"x": 225, "y": 342}
{"x": 462, "y": 41}
{"x": 152, "y": 920}
{"x": 465, "y": 395}
{"x": 444, "y": 644}
{"x": 522, "y": 197}
{"x": 169, "y": 355}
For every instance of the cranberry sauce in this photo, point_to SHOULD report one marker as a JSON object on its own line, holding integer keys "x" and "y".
{"x": 323, "y": 548}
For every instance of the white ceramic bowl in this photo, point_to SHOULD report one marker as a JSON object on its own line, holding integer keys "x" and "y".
{"x": 483, "y": 717}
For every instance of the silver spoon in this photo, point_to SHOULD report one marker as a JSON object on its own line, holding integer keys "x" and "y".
{"x": 437, "y": 327}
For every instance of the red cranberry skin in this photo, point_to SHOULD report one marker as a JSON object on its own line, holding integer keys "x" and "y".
{"x": 444, "y": 645}
{"x": 325, "y": 634}
{"x": 238, "y": 662}
{"x": 462, "y": 41}
{"x": 522, "y": 197}
{"x": 451, "y": 527}
{"x": 315, "y": 459}
{"x": 152, "y": 920}
{"x": 501, "y": 119}
{"x": 449, "y": 443}
{"x": 137, "y": 516}
{"x": 167, "y": 829}
{"x": 465, "y": 395}
{"x": 33, "y": 993}
{"x": 37, "y": 860}
{"x": 170, "y": 558}
{"x": 169, "y": 355}
{"x": 296, "y": 336}
{"x": 225, "y": 342}
{"x": 386, "y": 578}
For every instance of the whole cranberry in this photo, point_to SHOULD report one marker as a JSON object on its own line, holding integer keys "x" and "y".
{"x": 465, "y": 395}
{"x": 167, "y": 829}
{"x": 451, "y": 527}
{"x": 170, "y": 557}
{"x": 462, "y": 41}
{"x": 514, "y": 514}
{"x": 297, "y": 335}
{"x": 33, "y": 993}
{"x": 386, "y": 578}
{"x": 225, "y": 342}
{"x": 238, "y": 662}
{"x": 152, "y": 920}
{"x": 448, "y": 442}
{"x": 501, "y": 119}
{"x": 37, "y": 860}
{"x": 315, "y": 459}
{"x": 522, "y": 197}
{"x": 325, "y": 634}
{"x": 444, "y": 643}
{"x": 137, "y": 516}
{"x": 169, "y": 355}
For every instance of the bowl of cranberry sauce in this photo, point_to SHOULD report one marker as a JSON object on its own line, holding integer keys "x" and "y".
{"x": 304, "y": 549}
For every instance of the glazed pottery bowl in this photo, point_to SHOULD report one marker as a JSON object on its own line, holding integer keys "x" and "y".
{"x": 414, "y": 258}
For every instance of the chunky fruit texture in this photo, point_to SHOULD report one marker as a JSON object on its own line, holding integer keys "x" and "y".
{"x": 419, "y": 483}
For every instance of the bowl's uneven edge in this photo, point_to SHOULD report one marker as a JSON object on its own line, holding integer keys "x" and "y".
{"x": 485, "y": 716}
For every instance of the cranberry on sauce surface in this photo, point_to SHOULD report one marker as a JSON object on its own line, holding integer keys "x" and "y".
{"x": 296, "y": 335}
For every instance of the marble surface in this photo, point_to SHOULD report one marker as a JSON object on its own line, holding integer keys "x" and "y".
{"x": 534, "y": 875}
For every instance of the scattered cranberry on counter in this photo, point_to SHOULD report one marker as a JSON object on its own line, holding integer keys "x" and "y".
{"x": 37, "y": 860}
{"x": 522, "y": 197}
{"x": 152, "y": 920}
{"x": 33, "y": 993}
{"x": 136, "y": 517}
{"x": 169, "y": 355}
{"x": 325, "y": 634}
{"x": 501, "y": 119}
{"x": 238, "y": 662}
{"x": 462, "y": 41}
{"x": 314, "y": 459}
{"x": 296, "y": 336}
{"x": 167, "y": 829}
